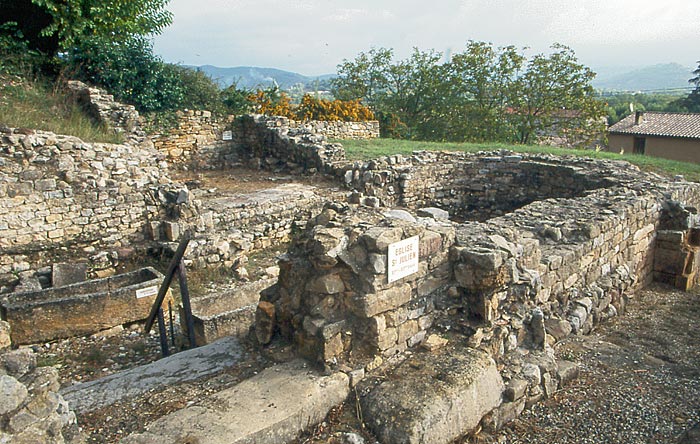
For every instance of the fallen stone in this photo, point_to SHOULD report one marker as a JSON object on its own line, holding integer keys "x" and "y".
{"x": 433, "y": 398}
{"x": 433, "y": 212}
{"x": 434, "y": 342}
{"x": 566, "y": 372}
{"x": 273, "y": 407}
{"x": 184, "y": 366}
{"x": 400, "y": 214}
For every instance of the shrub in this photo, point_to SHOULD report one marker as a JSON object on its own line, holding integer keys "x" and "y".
{"x": 311, "y": 108}
{"x": 271, "y": 102}
{"x": 130, "y": 71}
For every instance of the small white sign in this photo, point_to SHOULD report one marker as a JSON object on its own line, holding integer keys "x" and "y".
{"x": 402, "y": 258}
{"x": 146, "y": 292}
{"x": 228, "y": 135}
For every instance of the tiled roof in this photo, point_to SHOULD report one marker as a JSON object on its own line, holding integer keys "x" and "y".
{"x": 660, "y": 124}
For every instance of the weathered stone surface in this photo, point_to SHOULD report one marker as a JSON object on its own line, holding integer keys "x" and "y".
{"x": 433, "y": 212}
{"x": 566, "y": 372}
{"x": 66, "y": 274}
{"x": 5, "y": 341}
{"x": 264, "y": 322}
{"x": 81, "y": 308}
{"x": 515, "y": 390}
{"x": 383, "y": 300}
{"x": 175, "y": 369}
{"x": 273, "y": 407}
{"x": 502, "y": 415}
{"x": 12, "y": 394}
{"x": 327, "y": 284}
{"x": 434, "y": 398}
{"x": 18, "y": 362}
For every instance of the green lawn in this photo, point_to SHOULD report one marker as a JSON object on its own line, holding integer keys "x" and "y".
{"x": 370, "y": 149}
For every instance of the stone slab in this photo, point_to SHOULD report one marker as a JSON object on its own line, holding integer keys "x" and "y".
{"x": 180, "y": 367}
{"x": 433, "y": 398}
{"x": 273, "y": 407}
{"x": 66, "y": 274}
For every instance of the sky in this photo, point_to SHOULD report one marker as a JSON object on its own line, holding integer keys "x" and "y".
{"x": 312, "y": 37}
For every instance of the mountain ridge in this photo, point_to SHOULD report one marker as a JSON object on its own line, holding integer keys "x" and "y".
{"x": 658, "y": 77}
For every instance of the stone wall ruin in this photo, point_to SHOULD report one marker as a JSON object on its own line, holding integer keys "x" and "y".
{"x": 516, "y": 252}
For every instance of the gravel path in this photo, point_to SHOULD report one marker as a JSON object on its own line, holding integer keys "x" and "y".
{"x": 639, "y": 382}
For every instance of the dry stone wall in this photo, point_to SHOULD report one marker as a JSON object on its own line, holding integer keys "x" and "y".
{"x": 196, "y": 139}
{"x": 59, "y": 194}
{"x": 544, "y": 270}
{"x": 122, "y": 118}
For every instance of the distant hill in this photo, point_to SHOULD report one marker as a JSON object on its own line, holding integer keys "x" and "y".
{"x": 254, "y": 77}
{"x": 649, "y": 78}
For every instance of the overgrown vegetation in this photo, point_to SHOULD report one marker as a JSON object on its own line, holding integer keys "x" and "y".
{"x": 37, "y": 104}
{"x": 370, "y": 149}
{"x": 272, "y": 101}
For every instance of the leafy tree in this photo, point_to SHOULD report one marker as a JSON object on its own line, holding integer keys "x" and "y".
{"x": 54, "y": 25}
{"x": 480, "y": 80}
{"x": 413, "y": 88}
{"x": 554, "y": 97}
{"x": 363, "y": 78}
{"x": 236, "y": 100}
{"x": 130, "y": 71}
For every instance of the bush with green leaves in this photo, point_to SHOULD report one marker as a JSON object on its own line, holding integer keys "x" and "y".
{"x": 131, "y": 71}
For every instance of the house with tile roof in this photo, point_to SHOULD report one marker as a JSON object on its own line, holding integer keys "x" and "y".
{"x": 670, "y": 135}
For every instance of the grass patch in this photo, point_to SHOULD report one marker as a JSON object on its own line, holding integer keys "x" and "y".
{"x": 371, "y": 149}
{"x": 37, "y": 105}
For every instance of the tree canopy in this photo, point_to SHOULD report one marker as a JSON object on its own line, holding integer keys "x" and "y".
{"x": 482, "y": 94}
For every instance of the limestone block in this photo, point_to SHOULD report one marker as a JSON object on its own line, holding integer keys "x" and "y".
{"x": 12, "y": 394}
{"x": 381, "y": 301}
{"x": 434, "y": 398}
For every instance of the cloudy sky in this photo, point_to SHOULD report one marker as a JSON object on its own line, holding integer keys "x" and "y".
{"x": 312, "y": 36}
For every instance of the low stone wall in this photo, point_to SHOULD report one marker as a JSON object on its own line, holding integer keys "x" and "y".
{"x": 338, "y": 129}
{"x": 31, "y": 409}
{"x": 272, "y": 143}
{"x": 195, "y": 139}
{"x": 58, "y": 193}
{"x": 227, "y": 227}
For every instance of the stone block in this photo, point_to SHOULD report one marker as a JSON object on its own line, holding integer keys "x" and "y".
{"x": 502, "y": 415}
{"x": 327, "y": 284}
{"x": 63, "y": 274}
{"x": 566, "y": 372}
{"x": 171, "y": 230}
{"x": 515, "y": 390}
{"x": 444, "y": 399}
{"x": 381, "y": 301}
{"x": 12, "y": 394}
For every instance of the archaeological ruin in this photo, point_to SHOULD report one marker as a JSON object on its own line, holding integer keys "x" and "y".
{"x": 456, "y": 273}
